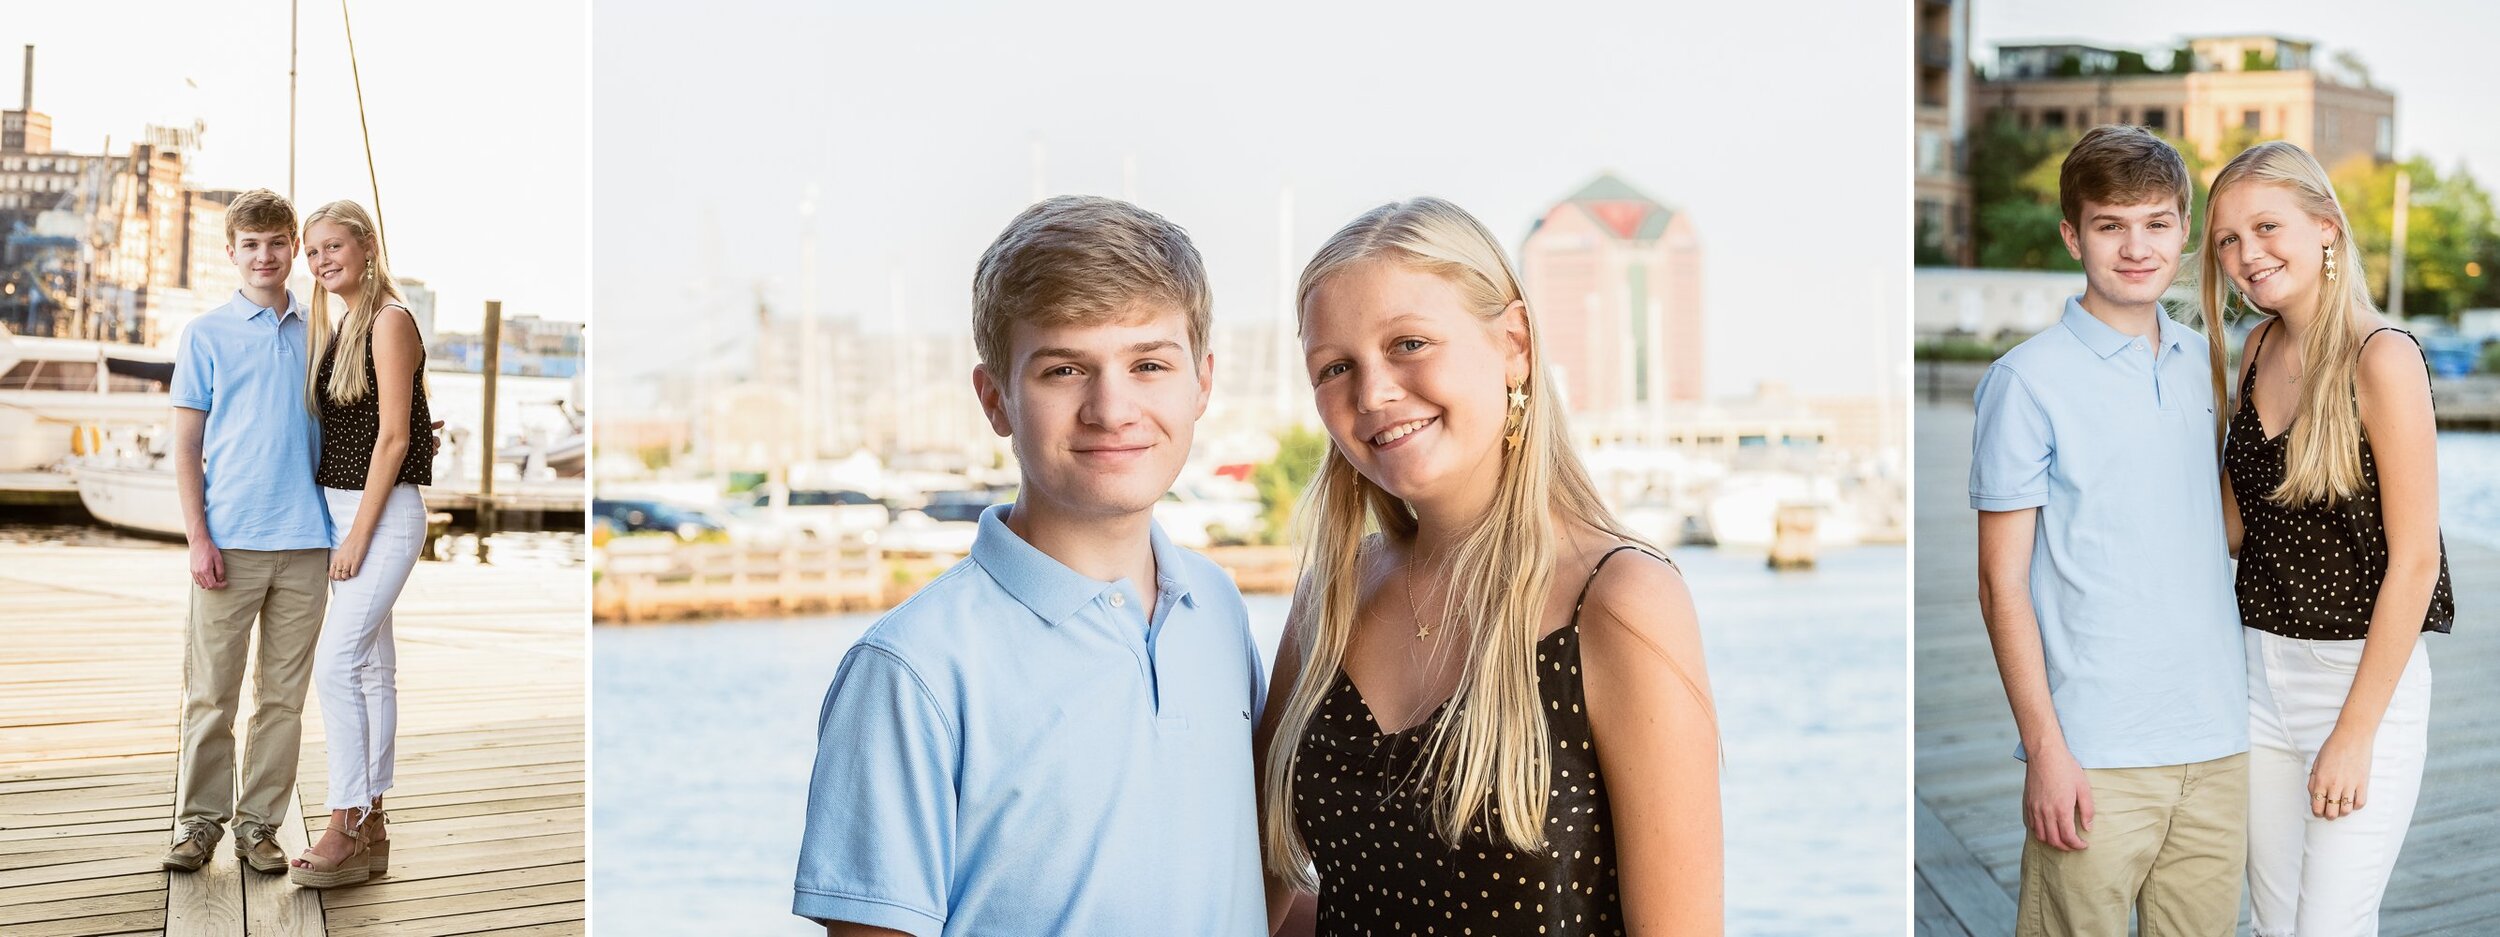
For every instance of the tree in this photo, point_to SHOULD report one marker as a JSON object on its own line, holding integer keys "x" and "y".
{"x": 2450, "y": 237}
{"x": 2182, "y": 60}
{"x": 1280, "y": 480}
{"x": 2015, "y": 198}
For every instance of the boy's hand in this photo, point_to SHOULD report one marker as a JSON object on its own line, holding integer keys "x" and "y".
{"x": 208, "y": 567}
{"x": 2057, "y": 800}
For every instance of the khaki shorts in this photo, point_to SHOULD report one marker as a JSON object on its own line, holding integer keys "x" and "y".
{"x": 2169, "y": 843}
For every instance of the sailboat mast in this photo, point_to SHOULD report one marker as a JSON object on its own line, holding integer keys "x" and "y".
{"x": 293, "y": 8}
{"x": 380, "y": 228}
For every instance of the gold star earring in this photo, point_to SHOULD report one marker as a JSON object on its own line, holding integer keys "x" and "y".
{"x": 2330, "y": 261}
{"x": 1517, "y": 418}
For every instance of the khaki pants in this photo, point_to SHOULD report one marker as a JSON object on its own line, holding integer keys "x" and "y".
{"x": 2168, "y": 843}
{"x": 285, "y": 591}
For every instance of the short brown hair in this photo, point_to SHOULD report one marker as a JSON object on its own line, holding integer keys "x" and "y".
{"x": 259, "y": 210}
{"x": 2120, "y": 165}
{"x": 1084, "y": 259}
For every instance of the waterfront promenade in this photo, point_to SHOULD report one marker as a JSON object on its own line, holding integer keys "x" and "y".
{"x": 486, "y": 814}
{"x": 1969, "y": 787}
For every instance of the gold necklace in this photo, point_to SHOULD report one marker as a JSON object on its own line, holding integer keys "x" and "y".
{"x": 1413, "y": 614}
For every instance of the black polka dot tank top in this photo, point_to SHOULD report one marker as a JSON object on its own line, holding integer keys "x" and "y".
{"x": 1361, "y": 800}
{"x": 348, "y": 430}
{"x": 2310, "y": 572}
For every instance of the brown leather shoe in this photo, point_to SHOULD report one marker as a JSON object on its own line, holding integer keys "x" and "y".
{"x": 258, "y": 848}
{"x": 191, "y": 851}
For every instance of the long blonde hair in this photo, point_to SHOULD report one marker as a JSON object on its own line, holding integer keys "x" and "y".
{"x": 2323, "y": 460}
{"x": 1487, "y": 747}
{"x": 355, "y": 335}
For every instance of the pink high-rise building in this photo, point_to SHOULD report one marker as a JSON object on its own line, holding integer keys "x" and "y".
{"x": 1615, "y": 279}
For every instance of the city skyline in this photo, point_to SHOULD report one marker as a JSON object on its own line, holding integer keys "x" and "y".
{"x": 1213, "y": 138}
{"x": 467, "y": 205}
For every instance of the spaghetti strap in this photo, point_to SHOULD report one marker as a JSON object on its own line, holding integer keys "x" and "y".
{"x": 2417, "y": 347}
{"x": 1600, "y": 567}
{"x": 2248, "y": 375}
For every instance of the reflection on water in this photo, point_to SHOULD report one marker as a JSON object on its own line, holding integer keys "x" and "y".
{"x": 704, "y": 734}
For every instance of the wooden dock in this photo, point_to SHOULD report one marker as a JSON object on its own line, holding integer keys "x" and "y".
{"x": 487, "y": 808}
{"x": 1969, "y": 787}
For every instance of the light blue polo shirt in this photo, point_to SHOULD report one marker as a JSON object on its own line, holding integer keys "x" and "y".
{"x": 243, "y": 365}
{"x": 2130, "y": 572}
{"x": 1019, "y": 749}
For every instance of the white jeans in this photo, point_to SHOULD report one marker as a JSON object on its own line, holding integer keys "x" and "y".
{"x": 355, "y": 666}
{"x": 2309, "y": 877}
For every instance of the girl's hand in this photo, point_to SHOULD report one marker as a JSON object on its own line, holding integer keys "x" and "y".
{"x": 348, "y": 556}
{"x": 2339, "y": 782}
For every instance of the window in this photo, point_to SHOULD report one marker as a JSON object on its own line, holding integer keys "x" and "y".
{"x": 2250, "y": 120}
{"x": 2157, "y": 119}
{"x": 1930, "y": 152}
{"x": 2386, "y": 138}
{"x": 2053, "y": 119}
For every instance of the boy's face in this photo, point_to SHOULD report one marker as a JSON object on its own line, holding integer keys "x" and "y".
{"x": 2130, "y": 253}
{"x": 1101, "y": 414}
{"x": 265, "y": 258}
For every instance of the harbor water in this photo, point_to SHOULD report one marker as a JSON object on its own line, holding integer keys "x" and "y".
{"x": 704, "y": 734}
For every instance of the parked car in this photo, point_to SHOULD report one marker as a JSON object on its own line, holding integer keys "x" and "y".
{"x": 634, "y": 515}
{"x": 962, "y": 506}
{"x": 819, "y": 513}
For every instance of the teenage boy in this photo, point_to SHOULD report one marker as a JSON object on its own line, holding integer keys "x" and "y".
{"x": 1053, "y": 737}
{"x": 2104, "y": 578}
{"x": 244, "y": 452}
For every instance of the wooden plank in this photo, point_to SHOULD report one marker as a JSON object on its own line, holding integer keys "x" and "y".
{"x": 124, "y": 922}
{"x": 396, "y": 889}
{"x": 467, "y": 923}
{"x": 12, "y": 916}
{"x": 152, "y": 883}
{"x": 464, "y": 903}
{"x": 273, "y": 905}
{"x": 208, "y": 902}
{"x": 1962, "y": 888}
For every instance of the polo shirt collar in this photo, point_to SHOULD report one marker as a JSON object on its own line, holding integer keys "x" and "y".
{"x": 1048, "y": 587}
{"x": 2105, "y": 341}
{"x": 252, "y": 310}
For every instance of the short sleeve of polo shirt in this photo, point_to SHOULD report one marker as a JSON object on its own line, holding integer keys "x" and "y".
{"x": 879, "y": 843}
{"x": 192, "y": 388}
{"x": 2011, "y": 442}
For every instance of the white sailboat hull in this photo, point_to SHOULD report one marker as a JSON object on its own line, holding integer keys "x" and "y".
{"x": 141, "y": 500}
